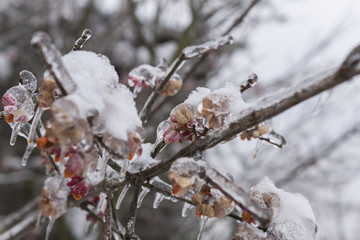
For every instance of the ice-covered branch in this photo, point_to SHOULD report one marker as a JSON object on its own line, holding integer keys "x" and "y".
{"x": 187, "y": 54}
{"x": 20, "y": 227}
{"x": 53, "y": 62}
{"x": 265, "y": 109}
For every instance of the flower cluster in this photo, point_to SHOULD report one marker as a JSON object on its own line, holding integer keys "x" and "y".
{"x": 209, "y": 201}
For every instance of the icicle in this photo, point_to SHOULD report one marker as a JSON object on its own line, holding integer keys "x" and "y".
{"x": 203, "y": 224}
{"x": 35, "y": 123}
{"x": 105, "y": 158}
{"x": 15, "y": 130}
{"x": 49, "y": 227}
{"x": 198, "y": 50}
{"x": 259, "y": 144}
{"x": 158, "y": 199}
{"x": 30, "y": 147}
{"x": 142, "y": 195}
{"x": 186, "y": 209}
{"x": 122, "y": 195}
{"x": 38, "y": 221}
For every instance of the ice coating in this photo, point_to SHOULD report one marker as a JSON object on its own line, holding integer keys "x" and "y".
{"x": 144, "y": 161}
{"x": 86, "y": 35}
{"x": 98, "y": 91}
{"x": 198, "y": 50}
{"x": 122, "y": 196}
{"x": 158, "y": 199}
{"x": 143, "y": 193}
{"x": 186, "y": 209}
{"x": 28, "y": 80}
{"x": 292, "y": 216}
{"x": 18, "y": 101}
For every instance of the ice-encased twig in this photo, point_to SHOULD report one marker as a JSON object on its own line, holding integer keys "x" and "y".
{"x": 187, "y": 53}
{"x": 53, "y": 62}
{"x": 29, "y": 149}
{"x": 86, "y": 35}
{"x": 236, "y": 193}
{"x": 35, "y": 122}
{"x": 15, "y": 130}
{"x": 201, "y": 49}
{"x": 264, "y": 109}
{"x": 202, "y": 226}
{"x": 20, "y": 227}
{"x": 249, "y": 83}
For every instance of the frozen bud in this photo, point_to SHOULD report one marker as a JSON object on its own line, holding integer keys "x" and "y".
{"x": 17, "y": 101}
{"x": 197, "y": 199}
{"x": 215, "y": 108}
{"x": 181, "y": 185}
{"x": 173, "y": 86}
{"x": 73, "y": 166}
{"x": 117, "y": 146}
{"x": 28, "y": 80}
{"x": 182, "y": 113}
{"x": 64, "y": 126}
{"x": 54, "y": 198}
{"x": 80, "y": 187}
{"x": 48, "y": 91}
{"x": 204, "y": 210}
{"x": 222, "y": 207}
{"x": 246, "y": 231}
{"x": 135, "y": 139}
{"x": 143, "y": 76}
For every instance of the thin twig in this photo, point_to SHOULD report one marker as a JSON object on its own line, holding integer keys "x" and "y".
{"x": 107, "y": 233}
{"x": 154, "y": 95}
{"x": 241, "y": 18}
{"x": 86, "y": 35}
{"x": 130, "y": 225}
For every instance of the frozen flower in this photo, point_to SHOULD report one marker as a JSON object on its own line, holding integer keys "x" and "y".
{"x": 80, "y": 187}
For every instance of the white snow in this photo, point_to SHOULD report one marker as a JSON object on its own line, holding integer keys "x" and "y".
{"x": 98, "y": 89}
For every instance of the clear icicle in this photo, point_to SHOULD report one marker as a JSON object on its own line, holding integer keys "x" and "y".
{"x": 30, "y": 147}
{"x": 15, "y": 130}
{"x": 49, "y": 227}
{"x": 105, "y": 158}
{"x": 186, "y": 209}
{"x": 38, "y": 221}
{"x": 35, "y": 123}
{"x": 158, "y": 199}
{"x": 258, "y": 146}
{"x": 198, "y": 50}
{"x": 202, "y": 227}
{"x": 122, "y": 195}
{"x": 142, "y": 195}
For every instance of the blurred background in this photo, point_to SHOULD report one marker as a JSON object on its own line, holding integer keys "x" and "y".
{"x": 283, "y": 42}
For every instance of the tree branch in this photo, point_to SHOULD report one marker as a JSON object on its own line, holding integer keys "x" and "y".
{"x": 265, "y": 109}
